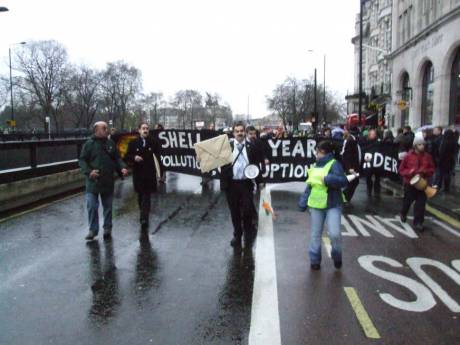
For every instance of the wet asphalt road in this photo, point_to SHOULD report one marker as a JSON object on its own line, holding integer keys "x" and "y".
{"x": 183, "y": 284}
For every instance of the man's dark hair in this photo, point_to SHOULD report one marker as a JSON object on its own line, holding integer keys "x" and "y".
{"x": 439, "y": 128}
{"x": 326, "y": 146}
{"x": 408, "y": 128}
{"x": 399, "y": 131}
{"x": 250, "y": 128}
{"x": 239, "y": 124}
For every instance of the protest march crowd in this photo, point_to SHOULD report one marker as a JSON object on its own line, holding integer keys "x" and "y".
{"x": 330, "y": 164}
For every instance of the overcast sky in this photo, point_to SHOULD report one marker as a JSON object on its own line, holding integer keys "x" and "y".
{"x": 236, "y": 48}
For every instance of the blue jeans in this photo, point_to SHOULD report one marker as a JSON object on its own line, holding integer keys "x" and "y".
{"x": 92, "y": 204}
{"x": 333, "y": 218}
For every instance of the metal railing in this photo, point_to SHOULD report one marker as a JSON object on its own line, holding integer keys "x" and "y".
{"x": 21, "y": 160}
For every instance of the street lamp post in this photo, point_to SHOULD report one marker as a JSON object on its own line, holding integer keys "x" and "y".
{"x": 324, "y": 86}
{"x": 11, "y": 84}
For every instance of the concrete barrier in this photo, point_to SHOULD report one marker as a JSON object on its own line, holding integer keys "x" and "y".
{"x": 24, "y": 192}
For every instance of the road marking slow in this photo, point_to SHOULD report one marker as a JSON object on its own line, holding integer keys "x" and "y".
{"x": 363, "y": 317}
{"x": 265, "y": 323}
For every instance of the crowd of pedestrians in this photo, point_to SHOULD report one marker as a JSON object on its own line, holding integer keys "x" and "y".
{"x": 429, "y": 155}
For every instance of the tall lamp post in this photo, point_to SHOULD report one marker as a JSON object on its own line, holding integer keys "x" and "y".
{"x": 11, "y": 85}
{"x": 324, "y": 85}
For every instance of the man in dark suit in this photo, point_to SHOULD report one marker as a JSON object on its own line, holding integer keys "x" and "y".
{"x": 239, "y": 189}
{"x": 140, "y": 157}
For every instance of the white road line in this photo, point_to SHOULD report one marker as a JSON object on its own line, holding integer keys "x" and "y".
{"x": 265, "y": 323}
{"x": 446, "y": 227}
{"x": 327, "y": 245}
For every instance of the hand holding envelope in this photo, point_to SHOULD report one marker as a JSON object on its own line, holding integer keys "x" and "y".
{"x": 213, "y": 153}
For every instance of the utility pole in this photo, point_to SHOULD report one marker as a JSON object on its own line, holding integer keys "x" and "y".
{"x": 360, "y": 101}
{"x": 324, "y": 89}
{"x": 315, "y": 109}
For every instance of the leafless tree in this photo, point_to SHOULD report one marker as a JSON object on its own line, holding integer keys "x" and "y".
{"x": 121, "y": 84}
{"x": 44, "y": 67}
{"x": 83, "y": 95}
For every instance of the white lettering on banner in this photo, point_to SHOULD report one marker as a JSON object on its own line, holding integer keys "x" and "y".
{"x": 300, "y": 171}
{"x": 174, "y": 139}
{"x": 274, "y": 147}
{"x": 311, "y": 148}
{"x": 424, "y": 299}
{"x": 164, "y": 140}
{"x": 285, "y": 148}
{"x": 349, "y": 231}
{"x": 378, "y": 160}
{"x": 371, "y": 223}
{"x": 175, "y": 161}
{"x": 416, "y": 265}
{"x": 284, "y": 166}
{"x": 288, "y": 170}
{"x": 298, "y": 149}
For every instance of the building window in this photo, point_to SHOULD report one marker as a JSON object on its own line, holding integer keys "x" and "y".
{"x": 454, "y": 113}
{"x": 405, "y": 97}
{"x": 427, "y": 96}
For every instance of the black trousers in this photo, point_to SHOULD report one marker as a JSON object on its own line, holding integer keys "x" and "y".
{"x": 410, "y": 195}
{"x": 241, "y": 204}
{"x": 349, "y": 191}
{"x": 143, "y": 200}
{"x": 375, "y": 183}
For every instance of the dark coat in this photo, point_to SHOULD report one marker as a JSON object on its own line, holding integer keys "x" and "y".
{"x": 144, "y": 172}
{"x": 448, "y": 152}
{"x": 100, "y": 154}
{"x": 351, "y": 155}
{"x": 254, "y": 156}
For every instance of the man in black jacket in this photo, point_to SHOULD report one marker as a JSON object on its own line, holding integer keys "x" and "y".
{"x": 351, "y": 160}
{"x": 239, "y": 189}
{"x": 140, "y": 157}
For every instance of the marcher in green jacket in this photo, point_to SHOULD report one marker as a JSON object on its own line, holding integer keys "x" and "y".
{"x": 99, "y": 160}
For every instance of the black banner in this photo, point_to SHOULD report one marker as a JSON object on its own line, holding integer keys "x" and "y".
{"x": 289, "y": 158}
{"x": 381, "y": 158}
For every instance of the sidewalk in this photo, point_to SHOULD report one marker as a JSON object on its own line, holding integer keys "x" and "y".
{"x": 447, "y": 203}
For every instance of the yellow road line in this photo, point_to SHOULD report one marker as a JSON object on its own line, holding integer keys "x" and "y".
{"x": 443, "y": 216}
{"x": 363, "y": 318}
{"x": 39, "y": 207}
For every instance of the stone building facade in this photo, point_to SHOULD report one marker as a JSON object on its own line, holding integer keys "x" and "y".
{"x": 377, "y": 42}
{"x": 425, "y": 63}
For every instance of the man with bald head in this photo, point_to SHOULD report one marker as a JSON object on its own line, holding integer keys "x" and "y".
{"x": 99, "y": 160}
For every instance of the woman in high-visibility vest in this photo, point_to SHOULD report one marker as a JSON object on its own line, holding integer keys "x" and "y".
{"x": 323, "y": 196}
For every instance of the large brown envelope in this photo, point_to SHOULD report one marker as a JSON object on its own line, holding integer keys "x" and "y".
{"x": 213, "y": 153}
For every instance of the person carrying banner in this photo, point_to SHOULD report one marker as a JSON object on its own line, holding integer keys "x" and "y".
{"x": 416, "y": 162}
{"x": 140, "y": 156}
{"x": 99, "y": 160}
{"x": 238, "y": 188}
{"x": 372, "y": 143}
{"x": 351, "y": 160}
{"x": 323, "y": 196}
